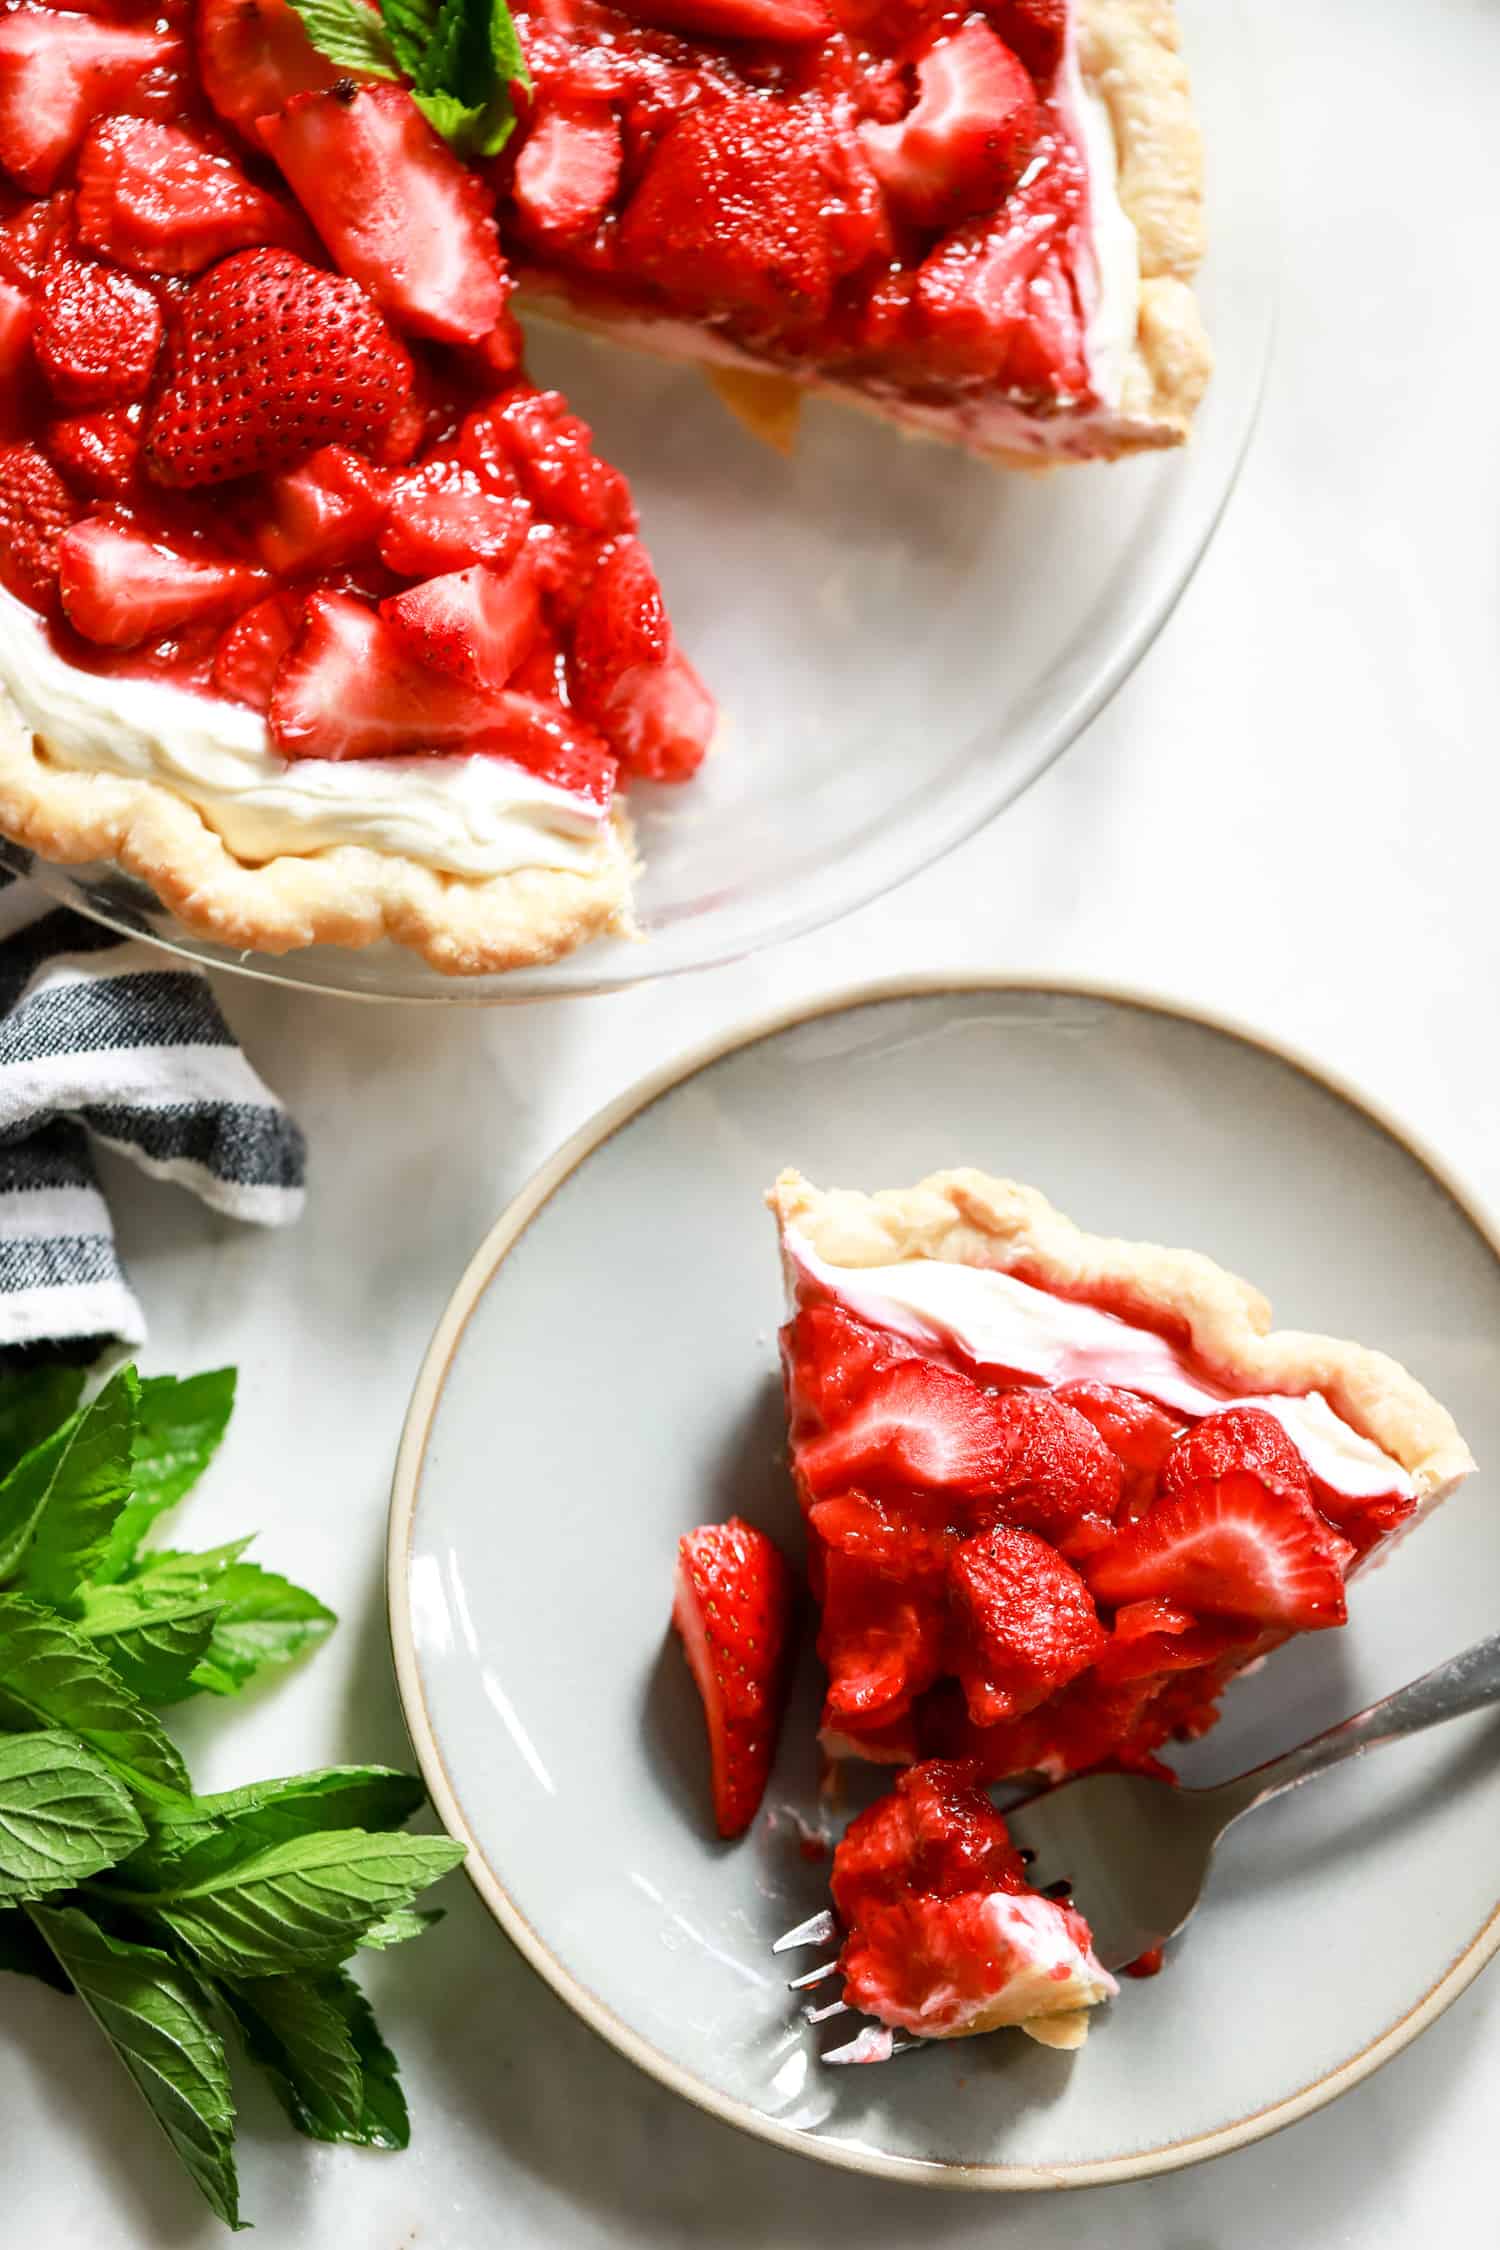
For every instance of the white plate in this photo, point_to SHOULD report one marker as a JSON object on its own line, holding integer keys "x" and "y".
{"x": 901, "y": 639}
{"x": 605, "y": 1377}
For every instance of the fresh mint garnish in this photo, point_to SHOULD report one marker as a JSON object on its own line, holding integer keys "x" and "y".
{"x": 459, "y": 57}
{"x": 176, "y": 1918}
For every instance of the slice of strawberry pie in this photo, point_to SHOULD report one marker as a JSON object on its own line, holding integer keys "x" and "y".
{"x": 1060, "y": 1489}
{"x": 315, "y": 613}
{"x": 979, "y": 221}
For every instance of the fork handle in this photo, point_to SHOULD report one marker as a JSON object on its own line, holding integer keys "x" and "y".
{"x": 1465, "y": 1683}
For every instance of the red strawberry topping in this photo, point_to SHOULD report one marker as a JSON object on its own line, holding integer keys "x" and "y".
{"x": 1024, "y": 1623}
{"x": 36, "y": 509}
{"x": 397, "y": 209}
{"x": 269, "y": 359}
{"x": 881, "y": 1644}
{"x": 627, "y": 675}
{"x": 1036, "y": 30}
{"x": 1231, "y": 1537}
{"x": 325, "y": 513}
{"x": 99, "y": 454}
{"x": 59, "y": 71}
{"x": 97, "y": 334}
{"x": 732, "y": 1607}
{"x": 120, "y": 586}
{"x": 779, "y": 22}
{"x": 154, "y": 199}
{"x": 350, "y": 688}
{"x": 1139, "y": 1433}
{"x": 828, "y": 1358}
{"x": 969, "y": 136}
{"x": 532, "y": 436}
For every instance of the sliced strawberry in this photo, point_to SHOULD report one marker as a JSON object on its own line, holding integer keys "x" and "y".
{"x": 253, "y": 56}
{"x": 349, "y": 688}
{"x": 397, "y": 209}
{"x": 120, "y": 586}
{"x": 99, "y": 453}
{"x": 441, "y": 516}
{"x": 58, "y": 72}
{"x": 1139, "y": 1433}
{"x": 36, "y": 510}
{"x": 732, "y": 1606}
{"x": 968, "y": 138}
{"x": 729, "y": 215}
{"x": 325, "y": 513}
{"x": 97, "y": 333}
{"x": 249, "y": 655}
{"x": 1152, "y": 1638}
{"x": 828, "y": 1358}
{"x": 1228, "y": 1547}
{"x": 477, "y": 623}
{"x": 270, "y": 359}
{"x": 1024, "y": 1623}
{"x": 551, "y": 452}
{"x": 881, "y": 1643}
{"x": 902, "y": 1536}
{"x": 568, "y": 169}
{"x": 1036, "y": 30}
{"x": 628, "y": 676}
{"x": 154, "y": 199}
{"x": 921, "y": 1424}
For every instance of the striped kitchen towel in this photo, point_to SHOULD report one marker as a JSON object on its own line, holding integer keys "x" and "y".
{"x": 110, "y": 1039}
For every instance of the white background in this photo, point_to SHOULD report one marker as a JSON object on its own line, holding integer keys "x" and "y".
{"x": 1290, "y": 813}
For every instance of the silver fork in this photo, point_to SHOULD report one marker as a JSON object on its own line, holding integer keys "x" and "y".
{"x": 1139, "y": 1850}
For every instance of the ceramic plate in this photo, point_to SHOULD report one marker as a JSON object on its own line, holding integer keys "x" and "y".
{"x": 606, "y": 1376}
{"x": 900, "y": 640}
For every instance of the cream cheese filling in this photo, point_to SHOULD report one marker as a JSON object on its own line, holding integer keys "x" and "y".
{"x": 994, "y": 1320}
{"x": 471, "y": 816}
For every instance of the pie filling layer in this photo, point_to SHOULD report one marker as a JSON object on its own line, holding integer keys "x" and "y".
{"x": 1040, "y": 1537}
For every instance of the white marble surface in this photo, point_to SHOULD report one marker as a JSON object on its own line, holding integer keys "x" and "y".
{"x": 1289, "y": 813}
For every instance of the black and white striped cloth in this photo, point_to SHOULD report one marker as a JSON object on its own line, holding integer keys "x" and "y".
{"x": 110, "y": 1039}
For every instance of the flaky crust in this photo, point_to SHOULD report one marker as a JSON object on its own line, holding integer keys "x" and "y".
{"x": 1129, "y": 55}
{"x": 348, "y": 896}
{"x": 970, "y": 1219}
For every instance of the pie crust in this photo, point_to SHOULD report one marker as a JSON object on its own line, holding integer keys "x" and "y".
{"x": 347, "y": 895}
{"x": 1129, "y": 56}
{"x": 968, "y": 1218}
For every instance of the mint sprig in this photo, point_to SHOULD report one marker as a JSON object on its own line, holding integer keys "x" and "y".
{"x": 460, "y": 59}
{"x": 176, "y": 1918}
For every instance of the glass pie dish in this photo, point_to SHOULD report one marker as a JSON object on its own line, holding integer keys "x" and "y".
{"x": 900, "y": 638}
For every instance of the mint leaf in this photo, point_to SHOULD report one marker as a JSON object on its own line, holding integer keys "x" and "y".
{"x": 462, "y": 84}
{"x": 303, "y": 1904}
{"x": 63, "y": 1815}
{"x": 216, "y": 1830}
{"x": 263, "y": 1621}
{"x": 23, "y": 1953}
{"x": 300, "y": 2038}
{"x": 50, "y": 1676}
{"x": 395, "y": 1929}
{"x": 408, "y": 26}
{"x": 383, "y": 2120}
{"x": 148, "y": 2009}
{"x": 180, "y": 1425}
{"x": 349, "y": 34}
{"x": 153, "y": 1635}
{"x": 88, "y": 1485}
{"x": 33, "y": 1402}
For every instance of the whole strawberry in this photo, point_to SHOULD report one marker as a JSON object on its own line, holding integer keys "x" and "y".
{"x": 269, "y": 359}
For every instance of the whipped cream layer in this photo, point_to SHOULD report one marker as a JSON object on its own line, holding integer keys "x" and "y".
{"x": 994, "y": 1320}
{"x": 1110, "y": 278}
{"x": 472, "y": 816}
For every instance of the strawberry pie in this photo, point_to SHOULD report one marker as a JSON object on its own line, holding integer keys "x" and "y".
{"x": 1060, "y": 1489}
{"x": 316, "y": 614}
{"x": 980, "y": 222}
